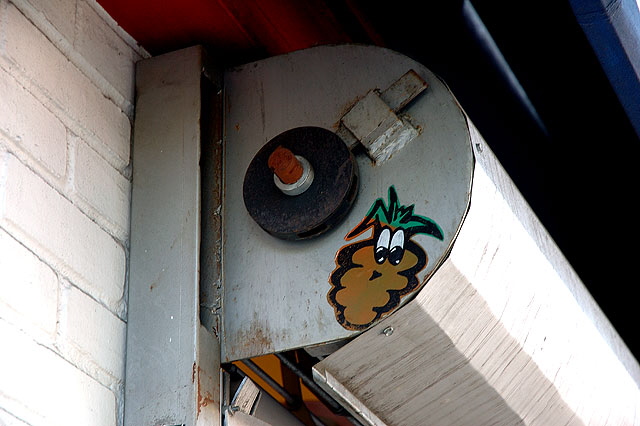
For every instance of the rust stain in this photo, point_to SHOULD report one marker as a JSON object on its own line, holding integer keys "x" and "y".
{"x": 345, "y": 110}
{"x": 199, "y": 399}
{"x": 203, "y": 399}
{"x": 285, "y": 165}
{"x": 255, "y": 339}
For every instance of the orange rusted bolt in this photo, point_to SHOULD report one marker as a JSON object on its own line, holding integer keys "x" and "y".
{"x": 285, "y": 165}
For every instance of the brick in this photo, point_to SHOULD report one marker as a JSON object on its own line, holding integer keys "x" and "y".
{"x": 83, "y": 106}
{"x": 65, "y": 43}
{"x": 6, "y": 419}
{"x": 28, "y": 290}
{"x": 103, "y": 187}
{"x": 41, "y": 388}
{"x": 60, "y": 13}
{"x": 38, "y": 133}
{"x": 91, "y": 335}
{"x": 105, "y": 50}
{"x": 53, "y": 228}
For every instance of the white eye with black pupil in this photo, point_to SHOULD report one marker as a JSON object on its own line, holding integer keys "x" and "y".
{"x": 382, "y": 246}
{"x": 396, "y": 245}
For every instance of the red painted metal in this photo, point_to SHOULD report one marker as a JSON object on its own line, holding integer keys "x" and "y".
{"x": 268, "y": 26}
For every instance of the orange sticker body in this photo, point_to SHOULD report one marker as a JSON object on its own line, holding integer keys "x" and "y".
{"x": 373, "y": 274}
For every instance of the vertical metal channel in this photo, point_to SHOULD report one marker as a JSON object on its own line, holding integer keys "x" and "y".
{"x": 211, "y": 174}
{"x": 173, "y": 362}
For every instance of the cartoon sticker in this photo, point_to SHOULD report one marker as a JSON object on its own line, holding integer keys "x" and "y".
{"x": 373, "y": 274}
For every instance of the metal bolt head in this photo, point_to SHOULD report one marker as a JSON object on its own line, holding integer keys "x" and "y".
{"x": 285, "y": 165}
{"x": 388, "y": 331}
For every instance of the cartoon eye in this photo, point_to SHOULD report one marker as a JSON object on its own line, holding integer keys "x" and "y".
{"x": 397, "y": 247}
{"x": 382, "y": 246}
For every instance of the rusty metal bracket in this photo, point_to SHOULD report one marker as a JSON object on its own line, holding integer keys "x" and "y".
{"x": 375, "y": 120}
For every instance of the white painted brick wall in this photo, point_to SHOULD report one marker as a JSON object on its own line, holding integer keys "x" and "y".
{"x": 7, "y": 419}
{"x": 81, "y": 105}
{"x": 105, "y": 191}
{"x": 66, "y": 104}
{"x": 40, "y": 387}
{"x": 91, "y": 336}
{"x": 60, "y": 13}
{"x": 59, "y": 232}
{"x": 46, "y": 143}
{"x": 117, "y": 69}
{"x": 29, "y": 290}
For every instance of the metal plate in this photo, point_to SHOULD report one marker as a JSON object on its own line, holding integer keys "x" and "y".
{"x": 275, "y": 291}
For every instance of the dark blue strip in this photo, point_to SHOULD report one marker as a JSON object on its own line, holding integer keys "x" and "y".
{"x": 613, "y": 29}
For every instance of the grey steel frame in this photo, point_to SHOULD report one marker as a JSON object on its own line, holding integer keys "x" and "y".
{"x": 173, "y": 361}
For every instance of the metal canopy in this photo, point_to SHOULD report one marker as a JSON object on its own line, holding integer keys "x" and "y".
{"x": 275, "y": 291}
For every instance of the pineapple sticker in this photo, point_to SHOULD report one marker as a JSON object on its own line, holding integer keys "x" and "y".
{"x": 372, "y": 275}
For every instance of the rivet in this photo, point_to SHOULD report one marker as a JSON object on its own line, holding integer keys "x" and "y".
{"x": 388, "y": 331}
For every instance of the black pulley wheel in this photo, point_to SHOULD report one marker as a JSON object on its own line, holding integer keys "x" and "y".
{"x": 322, "y": 205}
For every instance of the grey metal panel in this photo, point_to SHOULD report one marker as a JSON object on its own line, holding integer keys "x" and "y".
{"x": 276, "y": 291}
{"x": 172, "y": 362}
